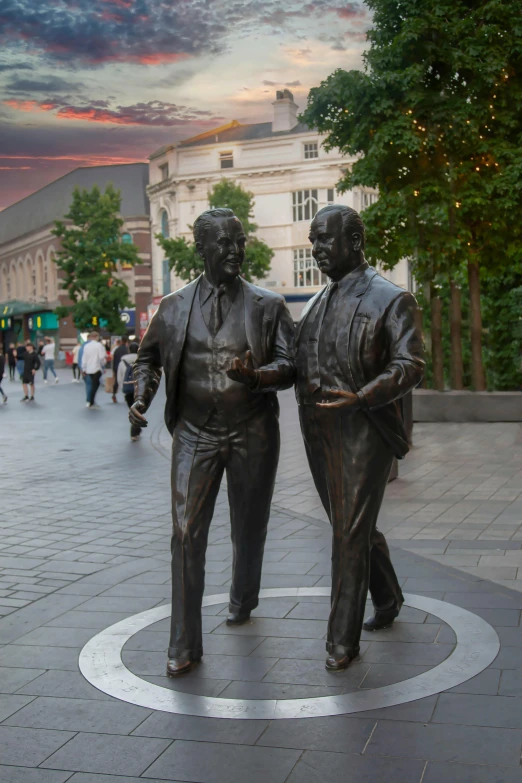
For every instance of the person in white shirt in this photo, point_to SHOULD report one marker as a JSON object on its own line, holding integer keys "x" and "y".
{"x": 93, "y": 364}
{"x": 48, "y": 353}
{"x": 75, "y": 368}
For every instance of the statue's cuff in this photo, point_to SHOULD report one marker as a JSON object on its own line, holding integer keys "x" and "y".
{"x": 363, "y": 402}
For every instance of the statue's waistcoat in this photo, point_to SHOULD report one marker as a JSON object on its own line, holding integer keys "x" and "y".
{"x": 204, "y": 386}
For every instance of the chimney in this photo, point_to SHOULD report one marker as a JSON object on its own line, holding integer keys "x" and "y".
{"x": 285, "y": 111}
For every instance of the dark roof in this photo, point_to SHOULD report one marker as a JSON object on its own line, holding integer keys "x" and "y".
{"x": 52, "y": 202}
{"x": 238, "y": 132}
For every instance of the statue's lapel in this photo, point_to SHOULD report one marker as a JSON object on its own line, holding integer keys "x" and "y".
{"x": 254, "y": 311}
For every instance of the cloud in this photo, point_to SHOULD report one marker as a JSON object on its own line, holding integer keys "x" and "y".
{"x": 15, "y": 67}
{"x": 267, "y": 83}
{"x": 152, "y": 113}
{"x": 148, "y": 32}
{"x": 45, "y": 84}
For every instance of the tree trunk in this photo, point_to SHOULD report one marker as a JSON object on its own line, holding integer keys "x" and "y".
{"x": 477, "y": 368}
{"x": 456, "y": 368}
{"x": 436, "y": 343}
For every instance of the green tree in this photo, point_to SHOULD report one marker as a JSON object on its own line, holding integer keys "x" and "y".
{"x": 91, "y": 249}
{"x": 186, "y": 261}
{"x": 435, "y": 123}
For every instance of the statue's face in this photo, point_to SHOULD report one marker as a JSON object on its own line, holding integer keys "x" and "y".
{"x": 336, "y": 253}
{"x": 223, "y": 249}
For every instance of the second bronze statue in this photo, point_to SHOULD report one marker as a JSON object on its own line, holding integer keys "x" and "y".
{"x": 226, "y": 347}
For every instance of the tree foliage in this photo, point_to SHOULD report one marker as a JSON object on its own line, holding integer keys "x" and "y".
{"x": 435, "y": 123}
{"x": 186, "y": 261}
{"x": 91, "y": 250}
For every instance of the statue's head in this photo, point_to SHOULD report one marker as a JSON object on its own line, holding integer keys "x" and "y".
{"x": 337, "y": 237}
{"x": 220, "y": 241}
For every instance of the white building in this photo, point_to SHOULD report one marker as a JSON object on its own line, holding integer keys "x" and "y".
{"x": 284, "y": 164}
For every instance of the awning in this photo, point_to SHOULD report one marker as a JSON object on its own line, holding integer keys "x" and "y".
{"x": 18, "y": 307}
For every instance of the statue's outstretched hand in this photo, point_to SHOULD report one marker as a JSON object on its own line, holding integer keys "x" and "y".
{"x": 136, "y": 412}
{"x": 343, "y": 399}
{"x": 244, "y": 373}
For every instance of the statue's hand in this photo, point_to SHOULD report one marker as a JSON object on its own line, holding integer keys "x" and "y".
{"x": 244, "y": 373}
{"x": 343, "y": 399}
{"x": 136, "y": 412}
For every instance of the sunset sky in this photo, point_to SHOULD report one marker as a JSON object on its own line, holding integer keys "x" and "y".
{"x": 88, "y": 82}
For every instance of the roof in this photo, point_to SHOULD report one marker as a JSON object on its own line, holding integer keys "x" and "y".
{"x": 235, "y": 131}
{"x": 52, "y": 202}
{"x": 232, "y": 131}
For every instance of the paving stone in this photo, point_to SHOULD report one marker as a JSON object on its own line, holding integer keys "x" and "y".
{"x": 27, "y": 775}
{"x": 317, "y": 766}
{"x": 209, "y": 762}
{"x": 338, "y": 734}
{"x": 96, "y": 620}
{"x": 470, "y": 773}
{"x": 486, "y": 683}
{"x": 39, "y": 657}
{"x": 10, "y": 704}
{"x": 107, "y": 754}
{"x": 29, "y": 747}
{"x": 298, "y": 629}
{"x": 88, "y": 777}
{"x": 185, "y": 727}
{"x": 474, "y": 710}
{"x": 446, "y": 743}
{"x": 79, "y": 715}
{"x": 402, "y": 652}
{"x": 306, "y": 672}
{"x": 49, "y": 636}
{"x": 12, "y": 679}
{"x": 63, "y": 684}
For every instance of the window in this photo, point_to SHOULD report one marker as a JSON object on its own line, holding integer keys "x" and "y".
{"x": 311, "y": 150}
{"x": 367, "y": 199}
{"x": 126, "y": 239}
{"x": 226, "y": 160}
{"x": 306, "y": 272}
{"x": 164, "y": 171}
{"x": 305, "y": 204}
{"x": 165, "y": 230}
{"x": 330, "y": 196}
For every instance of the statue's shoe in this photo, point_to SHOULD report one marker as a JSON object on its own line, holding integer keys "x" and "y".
{"x": 238, "y": 618}
{"x": 336, "y": 662}
{"x": 181, "y": 665}
{"x": 382, "y": 618}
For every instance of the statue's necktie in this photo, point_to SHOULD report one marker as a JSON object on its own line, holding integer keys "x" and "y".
{"x": 314, "y": 377}
{"x": 216, "y": 313}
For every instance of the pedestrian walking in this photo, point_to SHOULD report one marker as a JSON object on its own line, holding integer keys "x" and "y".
{"x": 119, "y": 352}
{"x": 49, "y": 351}
{"x": 2, "y": 369}
{"x": 93, "y": 363}
{"x": 126, "y": 382}
{"x": 20, "y": 356}
{"x": 75, "y": 364}
{"x": 11, "y": 361}
{"x": 41, "y": 346}
{"x": 31, "y": 365}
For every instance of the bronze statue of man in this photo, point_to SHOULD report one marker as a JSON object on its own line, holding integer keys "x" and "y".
{"x": 358, "y": 352}
{"x": 226, "y": 348}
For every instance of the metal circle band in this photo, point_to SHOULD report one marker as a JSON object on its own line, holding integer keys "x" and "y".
{"x": 101, "y": 664}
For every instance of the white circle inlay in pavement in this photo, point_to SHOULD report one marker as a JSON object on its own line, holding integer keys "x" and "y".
{"x": 101, "y": 664}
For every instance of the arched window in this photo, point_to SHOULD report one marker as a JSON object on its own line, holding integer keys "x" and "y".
{"x": 165, "y": 224}
{"x": 127, "y": 239}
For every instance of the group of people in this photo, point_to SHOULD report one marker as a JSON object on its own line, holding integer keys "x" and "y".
{"x": 226, "y": 348}
{"x": 25, "y": 360}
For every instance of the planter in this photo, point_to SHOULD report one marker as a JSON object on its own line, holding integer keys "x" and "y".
{"x": 430, "y": 405}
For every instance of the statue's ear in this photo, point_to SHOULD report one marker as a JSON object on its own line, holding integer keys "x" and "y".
{"x": 199, "y": 248}
{"x": 356, "y": 241}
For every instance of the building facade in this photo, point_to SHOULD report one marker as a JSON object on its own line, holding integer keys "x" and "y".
{"x": 29, "y": 278}
{"x": 292, "y": 176}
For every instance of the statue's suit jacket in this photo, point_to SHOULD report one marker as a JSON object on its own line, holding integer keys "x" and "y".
{"x": 379, "y": 348}
{"x": 270, "y": 336}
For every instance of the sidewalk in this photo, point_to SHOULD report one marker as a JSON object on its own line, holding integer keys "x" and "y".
{"x": 85, "y": 521}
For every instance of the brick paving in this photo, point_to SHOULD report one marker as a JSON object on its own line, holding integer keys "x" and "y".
{"x": 85, "y": 523}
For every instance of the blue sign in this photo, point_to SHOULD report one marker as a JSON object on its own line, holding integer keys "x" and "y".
{"x": 128, "y": 316}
